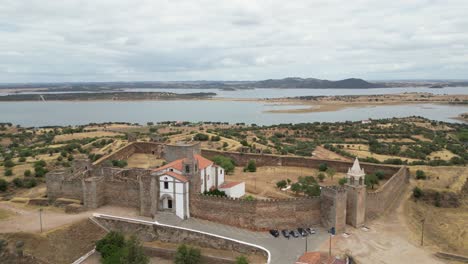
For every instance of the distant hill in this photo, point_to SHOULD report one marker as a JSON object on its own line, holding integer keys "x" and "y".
{"x": 314, "y": 83}
{"x": 228, "y": 85}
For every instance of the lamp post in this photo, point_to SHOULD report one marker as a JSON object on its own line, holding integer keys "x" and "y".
{"x": 306, "y": 238}
{"x": 422, "y": 231}
{"x": 40, "y": 218}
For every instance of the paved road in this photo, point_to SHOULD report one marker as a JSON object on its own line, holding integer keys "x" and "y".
{"x": 283, "y": 251}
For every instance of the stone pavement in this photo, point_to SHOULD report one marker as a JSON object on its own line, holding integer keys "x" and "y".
{"x": 283, "y": 251}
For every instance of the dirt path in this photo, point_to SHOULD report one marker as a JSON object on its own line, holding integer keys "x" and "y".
{"x": 389, "y": 240}
{"x": 26, "y": 219}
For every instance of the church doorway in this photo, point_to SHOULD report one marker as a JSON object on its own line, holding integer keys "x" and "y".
{"x": 167, "y": 203}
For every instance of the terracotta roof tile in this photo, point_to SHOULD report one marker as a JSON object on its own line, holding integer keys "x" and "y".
{"x": 179, "y": 177}
{"x": 203, "y": 162}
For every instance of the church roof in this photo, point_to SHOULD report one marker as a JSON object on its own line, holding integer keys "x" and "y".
{"x": 177, "y": 176}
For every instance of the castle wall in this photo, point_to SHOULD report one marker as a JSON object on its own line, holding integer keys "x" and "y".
{"x": 242, "y": 159}
{"x": 257, "y": 214}
{"x": 128, "y": 150}
{"x": 60, "y": 185}
{"x": 333, "y": 208}
{"x": 377, "y": 202}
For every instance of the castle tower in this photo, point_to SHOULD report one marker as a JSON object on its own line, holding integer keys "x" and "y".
{"x": 355, "y": 175}
{"x": 356, "y": 195}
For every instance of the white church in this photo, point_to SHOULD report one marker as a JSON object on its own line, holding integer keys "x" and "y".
{"x": 175, "y": 179}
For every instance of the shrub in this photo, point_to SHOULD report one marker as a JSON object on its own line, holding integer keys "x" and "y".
{"x": 29, "y": 183}
{"x": 133, "y": 253}
{"x": 331, "y": 172}
{"x": 242, "y": 260}
{"x": 9, "y": 164}
{"x": 201, "y": 137}
{"x": 321, "y": 177}
{"x": 226, "y": 163}
{"x": 323, "y": 167}
{"x": 18, "y": 182}
{"x": 119, "y": 163}
{"x": 249, "y": 198}
{"x": 22, "y": 159}
{"x": 343, "y": 181}
{"x": 420, "y": 175}
{"x": 3, "y": 185}
{"x": 251, "y": 166}
{"x": 215, "y": 138}
{"x": 112, "y": 238}
{"x": 40, "y": 171}
{"x": 27, "y": 173}
{"x": 187, "y": 255}
{"x": 115, "y": 249}
{"x": 215, "y": 192}
{"x": 8, "y": 172}
{"x": 380, "y": 175}
{"x": 417, "y": 192}
{"x": 296, "y": 187}
{"x": 281, "y": 184}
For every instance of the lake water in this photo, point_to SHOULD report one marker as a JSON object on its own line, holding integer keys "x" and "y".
{"x": 278, "y": 93}
{"x": 74, "y": 113}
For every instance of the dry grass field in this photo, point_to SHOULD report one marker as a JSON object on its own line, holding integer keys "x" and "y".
{"x": 93, "y": 134}
{"x": 61, "y": 245}
{"x": 323, "y": 153}
{"x": 445, "y": 228}
{"x": 442, "y": 155}
{"x": 262, "y": 184}
{"x": 143, "y": 161}
{"x": 362, "y": 151}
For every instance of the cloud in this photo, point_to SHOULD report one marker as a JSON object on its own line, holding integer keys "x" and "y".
{"x": 124, "y": 40}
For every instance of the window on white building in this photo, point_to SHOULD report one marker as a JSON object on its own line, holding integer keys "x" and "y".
{"x": 166, "y": 185}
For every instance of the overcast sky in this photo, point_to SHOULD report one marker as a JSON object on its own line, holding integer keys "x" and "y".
{"x": 131, "y": 40}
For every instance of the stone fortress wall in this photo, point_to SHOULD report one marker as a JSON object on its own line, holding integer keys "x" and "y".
{"x": 136, "y": 188}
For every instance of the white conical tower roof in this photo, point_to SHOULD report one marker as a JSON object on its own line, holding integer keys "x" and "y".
{"x": 356, "y": 169}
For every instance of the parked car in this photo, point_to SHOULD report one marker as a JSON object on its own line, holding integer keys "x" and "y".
{"x": 310, "y": 230}
{"x": 294, "y": 233}
{"x": 302, "y": 231}
{"x": 274, "y": 232}
{"x": 285, "y": 233}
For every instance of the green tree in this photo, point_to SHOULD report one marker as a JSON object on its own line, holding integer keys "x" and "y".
{"x": 321, "y": 177}
{"x": 420, "y": 175}
{"x": 323, "y": 167}
{"x": 226, "y": 163}
{"x": 343, "y": 181}
{"x": 281, "y": 184}
{"x": 242, "y": 260}
{"x": 3, "y": 185}
{"x": 417, "y": 192}
{"x": 8, "y": 172}
{"x": 331, "y": 172}
{"x": 201, "y": 137}
{"x": 251, "y": 166}
{"x": 296, "y": 187}
{"x": 133, "y": 252}
{"x": 18, "y": 182}
{"x": 187, "y": 255}
{"x": 380, "y": 174}
{"x": 27, "y": 173}
{"x": 370, "y": 180}
{"x": 9, "y": 164}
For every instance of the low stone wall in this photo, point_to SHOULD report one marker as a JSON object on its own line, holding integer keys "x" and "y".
{"x": 242, "y": 159}
{"x": 169, "y": 254}
{"x": 257, "y": 214}
{"x": 377, "y": 202}
{"x": 147, "y": 231}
